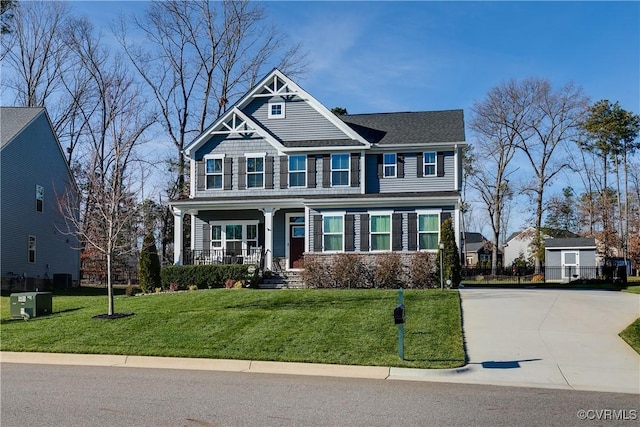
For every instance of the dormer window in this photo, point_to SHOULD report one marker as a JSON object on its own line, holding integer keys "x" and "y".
{"x": 276, "y": 110}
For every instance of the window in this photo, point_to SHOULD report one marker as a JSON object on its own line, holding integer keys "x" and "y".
{"x": 428, "y": 231}
{"x": 252, "y": 235}
{"x": 216, "y": 237}
{"x": 297, "y": 171}
{"x": 429, "y": 161}
{"x": 276, "y": 110}
{"x": 39, "y": 197}
{"x": 380, "y": 232}
{"x": 32, "y": 249}
{"x": 233, "y": 237}
{"x": 340, "y": 169}
{"x": 255, "y": 172}
{"x": 214, "y": 173}
{"x": 332, "y": 233}
{"x": 389, "y": 165}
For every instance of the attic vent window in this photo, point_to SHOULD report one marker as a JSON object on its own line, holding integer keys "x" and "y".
{"x": 276, "y": 110}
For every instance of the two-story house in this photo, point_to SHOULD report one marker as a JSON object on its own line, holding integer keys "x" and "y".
{"x": 280, "y": 174}
{"x": 37, "y": 249}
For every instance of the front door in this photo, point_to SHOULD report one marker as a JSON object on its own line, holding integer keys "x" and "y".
{"x": 570, "y": 265}
{"x": 296, "y": 241}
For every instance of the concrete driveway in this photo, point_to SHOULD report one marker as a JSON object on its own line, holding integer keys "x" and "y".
{"x": 550, "y": 338}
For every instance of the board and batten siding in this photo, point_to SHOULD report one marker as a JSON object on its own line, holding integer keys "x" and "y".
{"x": 34, "y": 158}
{"x": 410, "y": 181}
{"x": 301, "y": 121}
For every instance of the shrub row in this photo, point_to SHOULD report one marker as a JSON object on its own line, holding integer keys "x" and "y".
{"x": 387, "y": 271}
{"x": 203, "y": 276}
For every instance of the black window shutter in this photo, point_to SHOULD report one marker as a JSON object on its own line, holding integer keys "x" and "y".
{"x": 261, "y": 234}
{"x": 206, "y": 237}
{"x": 201, "y": 179}
{"x": 268, "y": 172}
{"x": 380, "y": 162}
{"x": 440, "y": 163}
{"x": 444, "y": 216}
{"x": 400, "y": 165}
{"x": 284, "y": 171}
{"x": 349, "y": 233}
{"x": 311, "y": 171}
{"x": 228, "y": 169}
{"x": 364, "y": 232}
{"x": 420, "y": 164}
{"x": 317, "y": 233}
{"x": 413, "y": 231}
{"x": 355, "y": 169}
{"x": 242, "y": 173}
{"x": 326, "y": 170}
{"x": 396, "y": 230}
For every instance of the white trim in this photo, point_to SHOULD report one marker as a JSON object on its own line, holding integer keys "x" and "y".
{"x": 306, "y": 175}
{"x": 427, "y": 212}
{"x": 435, "y": 164}
{"x": 248, "y": 156}
{"x": 456, "y": 182}
{"x": 340, "y": 214}
{"x": 395, "y": 165}
{"x": 212, "y": 156}
{"x": 381, "y": 213}
{"x": 270, "y": 114}
{"x": 348, "y": 170}
{"x": 363, "y": 174}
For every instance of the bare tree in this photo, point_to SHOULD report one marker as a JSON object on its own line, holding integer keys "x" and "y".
{"x": 196, "y": 57}
{"x": 554, "y": 117}
{"x": 115, "y": 123}
{"x": 498, "y": 126}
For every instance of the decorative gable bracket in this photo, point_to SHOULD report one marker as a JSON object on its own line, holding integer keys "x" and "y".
{"x": 277, "y": 87}
{"x": 236, "y": 125}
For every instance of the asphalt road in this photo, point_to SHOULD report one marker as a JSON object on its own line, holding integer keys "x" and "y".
{"x": 52, "y": 395}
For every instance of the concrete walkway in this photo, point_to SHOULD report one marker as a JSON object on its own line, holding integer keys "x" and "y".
{"x": 565, "y": 339}
{"x": 547, "y": 338}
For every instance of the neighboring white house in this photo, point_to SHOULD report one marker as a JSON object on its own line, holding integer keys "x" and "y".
{"x": 34, "y": 173}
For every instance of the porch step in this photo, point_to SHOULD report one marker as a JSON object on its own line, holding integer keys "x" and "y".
{"x": 293, "y": 280}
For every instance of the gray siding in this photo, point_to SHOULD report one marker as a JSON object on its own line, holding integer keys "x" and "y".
{"x": 410, "y": 182}
{"x": 301, "y": 121}
{"x": 236, "y": 148}
{"x": 34, "y": 158}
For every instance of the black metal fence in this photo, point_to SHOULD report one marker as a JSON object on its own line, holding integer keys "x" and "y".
{"x": 548, "y": 274}
{"x": 221, "y": 256}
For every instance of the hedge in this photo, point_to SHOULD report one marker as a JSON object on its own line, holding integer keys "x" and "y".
{"x": 203, "y": 276}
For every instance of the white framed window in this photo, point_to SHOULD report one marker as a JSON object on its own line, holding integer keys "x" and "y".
{"x": 428, "y": 231}
{"x": 380, "y": 232}
{"x": 276, "y": 110}
{"x": 255, "y": 171}
{"x": 214, "y": 169}
{"x": 235, "y": 237}
{"x": 32, "y": 249}
{"x": 298, "y": 171}
{"x": 333, "y": 233}
{"x": 389, "y": 165}
{"x": 39, "y": 198}
{"x": 429, "y": 163}
{"x": 340, "y": 170}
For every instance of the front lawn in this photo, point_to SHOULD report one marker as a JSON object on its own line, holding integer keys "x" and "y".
{"x": 352, "y": 327}
{"x": 632, "y": 335}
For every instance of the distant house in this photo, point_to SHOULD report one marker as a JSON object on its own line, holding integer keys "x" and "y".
{"x": 279, "y": 174}
{"x": 34, "y": 173}
{"x": 568, "y": 259}
{"x": 478, "y": 250}
{"x": 521, "y": 243}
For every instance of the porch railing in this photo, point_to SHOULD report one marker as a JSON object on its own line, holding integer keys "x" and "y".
{"x": 222, "y": 256}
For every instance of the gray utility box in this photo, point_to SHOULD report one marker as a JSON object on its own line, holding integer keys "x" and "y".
{"x": 30, "y": 304}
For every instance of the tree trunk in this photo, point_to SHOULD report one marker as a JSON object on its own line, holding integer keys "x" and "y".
{"x": 109, "y": 284}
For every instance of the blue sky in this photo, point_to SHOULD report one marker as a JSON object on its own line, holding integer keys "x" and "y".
{"x": 414, "y": 56}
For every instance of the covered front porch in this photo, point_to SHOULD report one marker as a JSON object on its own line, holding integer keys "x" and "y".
{"x": 271, "y": 237}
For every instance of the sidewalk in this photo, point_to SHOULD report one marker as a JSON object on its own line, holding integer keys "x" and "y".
{"x": 564, "y": 339}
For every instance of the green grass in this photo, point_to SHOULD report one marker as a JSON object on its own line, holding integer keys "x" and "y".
{"x": 632, "y": 289}
{"x": 352, "y": 327}
{"x": 632, "y": 335}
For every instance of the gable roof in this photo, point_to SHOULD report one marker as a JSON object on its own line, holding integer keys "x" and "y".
{"x": 577, "y": 242}
{"x": 472, "y": 237}
{"x": 408, "y": 128}
{"x": 276, "y": 83}
{"x": 14, "y": 119}
{"x": 547, "y": 233}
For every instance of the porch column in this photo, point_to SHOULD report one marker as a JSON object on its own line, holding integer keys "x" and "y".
{"x": 178, "y": 242}
{"x": 268, "y": 237}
